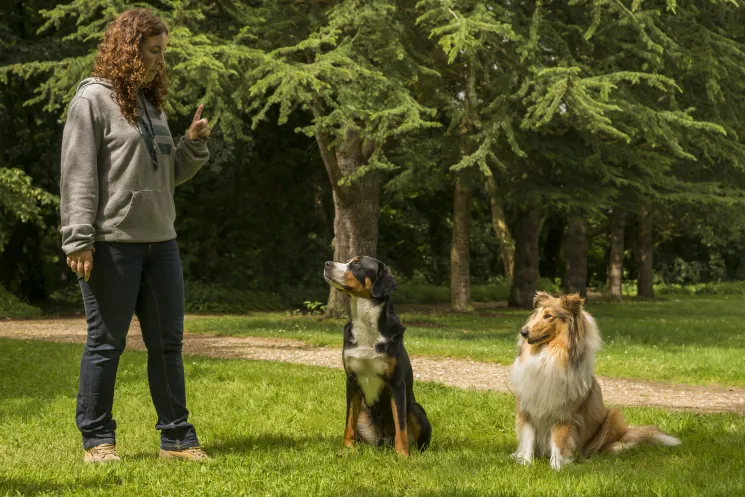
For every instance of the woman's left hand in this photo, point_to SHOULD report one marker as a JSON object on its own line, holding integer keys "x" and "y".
{"x": 199, "y": 127}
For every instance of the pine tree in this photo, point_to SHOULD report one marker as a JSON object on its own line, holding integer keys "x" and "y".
{"x": 353, "y": 70}
{"x": 479, "y": 43}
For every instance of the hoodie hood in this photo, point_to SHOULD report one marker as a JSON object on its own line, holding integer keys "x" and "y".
{"x": 93, "y": 81}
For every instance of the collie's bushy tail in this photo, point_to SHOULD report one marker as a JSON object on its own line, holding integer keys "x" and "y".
{"x": 637, "y": 435}
{"x": 615, "y": 435}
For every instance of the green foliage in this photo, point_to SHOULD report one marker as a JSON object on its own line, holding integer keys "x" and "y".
{"x": 11, "y": 307}
{"x": 21, "y": 201}
{"x": 351, "y": 69}
{"x": 723, "y": 288}
{"x": 681, "y": 272}
{"x": 496, "y": 291}
{"x": 463, "y": 32}
{"x": 314, "y": 306}
{"x": 68, "y": 296}
{"x": 213, "y": 299}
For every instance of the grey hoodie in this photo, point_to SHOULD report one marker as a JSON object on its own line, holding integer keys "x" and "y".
{"x": 110, "y": 188}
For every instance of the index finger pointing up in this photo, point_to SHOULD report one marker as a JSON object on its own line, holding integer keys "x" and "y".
{"x": 198, "y": 114}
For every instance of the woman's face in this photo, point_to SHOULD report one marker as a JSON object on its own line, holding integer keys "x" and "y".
{"x": 153, "y": 49}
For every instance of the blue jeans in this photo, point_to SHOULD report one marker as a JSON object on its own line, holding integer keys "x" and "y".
{"x": 127, "y": 278}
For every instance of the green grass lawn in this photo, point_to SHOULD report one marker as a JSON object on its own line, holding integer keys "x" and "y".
{"x": 694, "y": 340}
{"x": 275, "y": 429}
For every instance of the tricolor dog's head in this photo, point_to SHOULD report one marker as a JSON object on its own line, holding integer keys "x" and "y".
{"x": 552, "y": 317}
{"x": 361, "y": 277}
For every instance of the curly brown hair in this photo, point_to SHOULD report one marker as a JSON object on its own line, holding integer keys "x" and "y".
{"x": 119, "y": 60}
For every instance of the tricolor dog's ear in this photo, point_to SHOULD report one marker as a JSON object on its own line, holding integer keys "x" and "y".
{"x": 384, "y": 285}
{"x": 540, "y": 298}
{"x": 572, "y": 303}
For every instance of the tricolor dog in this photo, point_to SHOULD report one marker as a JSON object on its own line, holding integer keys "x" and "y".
{"x": 381, "y": 408}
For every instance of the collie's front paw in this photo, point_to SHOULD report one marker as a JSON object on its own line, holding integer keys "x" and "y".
{"x": 524, "y": 458}
{"x": 558, "y": 461}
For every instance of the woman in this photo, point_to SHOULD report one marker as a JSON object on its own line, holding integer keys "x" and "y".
{"x": 119, "y": 168}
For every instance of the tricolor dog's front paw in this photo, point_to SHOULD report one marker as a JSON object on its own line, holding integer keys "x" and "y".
{"x": 402, "y": 452}
{"x": 349, "y": 448}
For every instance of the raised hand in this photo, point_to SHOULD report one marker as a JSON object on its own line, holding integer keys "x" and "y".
{"x": 199, "y": 127}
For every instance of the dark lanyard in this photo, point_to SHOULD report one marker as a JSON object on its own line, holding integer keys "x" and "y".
{"x": 150, "y": 141}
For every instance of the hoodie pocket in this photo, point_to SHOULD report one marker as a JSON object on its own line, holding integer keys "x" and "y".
{"x": 149, "y": 217}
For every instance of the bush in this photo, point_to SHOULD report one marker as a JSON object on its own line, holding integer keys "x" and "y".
{"x": 14, "y": 308}
{"x": 203, "y": 298}
{"x": 412, "y": 293}
{"x": 686, "y": 273}
{"x": 496, "y": 290}
{"x": 546, "y": 285}
{"x": 726, "y": 288}
{"x": 409, "y": 293}
{"x": 68, "y": 295}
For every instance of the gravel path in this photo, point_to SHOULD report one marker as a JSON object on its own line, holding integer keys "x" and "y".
{"x": 454, "y": 372}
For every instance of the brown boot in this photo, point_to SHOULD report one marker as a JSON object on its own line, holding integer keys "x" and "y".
{"x": 101, "y": 453}
{"x": 190, "y": 454}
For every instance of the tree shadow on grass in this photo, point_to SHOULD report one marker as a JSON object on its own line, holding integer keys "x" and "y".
{"x": 34, "y": 373}
{"x": 264, "y": 441}
{"x": 37, "y": 370}
{"x": 17, "y": 486}
{"x": 257, "y": 443}
{"x": 498, "y": 446}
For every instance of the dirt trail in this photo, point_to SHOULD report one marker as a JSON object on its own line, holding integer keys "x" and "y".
{"x": 454, "y": 372}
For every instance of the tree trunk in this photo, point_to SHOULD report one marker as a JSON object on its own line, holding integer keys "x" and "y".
{"x": 615, "y": 262}
{"x": 460, "y": 248}
{"x": 644, "y": 257}
{"x": 527, "y": 256}
{"x": 499, "y": 224}
{"x": 460, "y": 259}
{"x": 356, "y": 206}
{"x": 577, "y": 244}
{"x": 740, "y": 272}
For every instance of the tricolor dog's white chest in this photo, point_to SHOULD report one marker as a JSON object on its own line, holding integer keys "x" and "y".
{"x": 369, "y": 366}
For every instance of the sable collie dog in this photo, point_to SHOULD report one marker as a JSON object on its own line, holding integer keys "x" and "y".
{"x": 381, "y": 408}
{"x": 560, "y": 408}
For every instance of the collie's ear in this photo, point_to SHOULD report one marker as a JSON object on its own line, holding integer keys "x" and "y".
{"x": 385, "y": 284}
{"x": 572, "y": 303}
{"x": 540, "y": 298}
